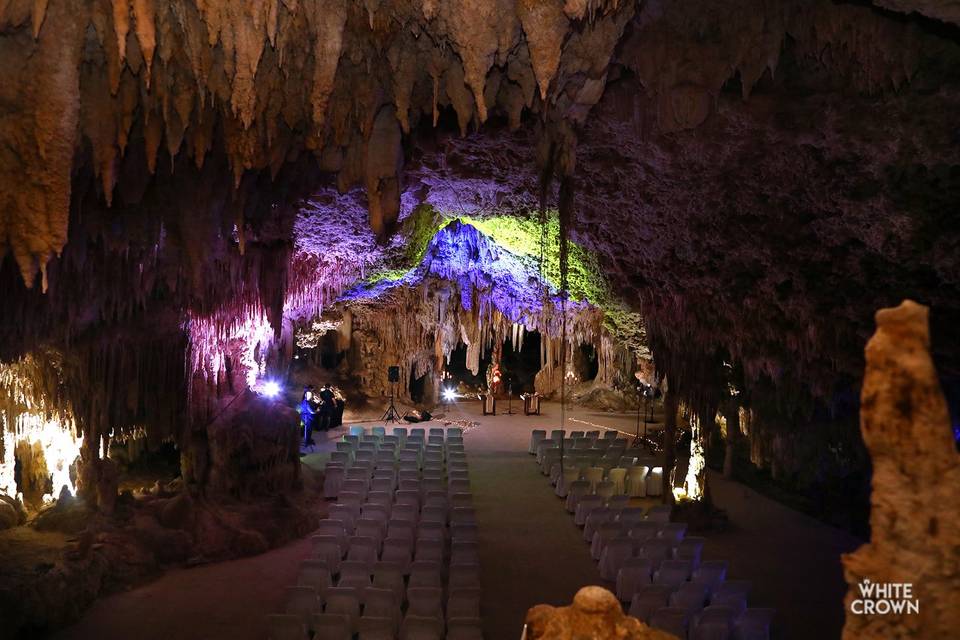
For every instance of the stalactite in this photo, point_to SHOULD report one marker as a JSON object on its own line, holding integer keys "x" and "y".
{"x": 545, "y": 26}
{"x": 182, "y": 67}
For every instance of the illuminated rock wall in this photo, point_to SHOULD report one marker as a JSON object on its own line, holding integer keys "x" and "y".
{"x": 467, "y": 290}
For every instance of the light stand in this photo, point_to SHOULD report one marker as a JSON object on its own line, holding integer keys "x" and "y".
{"x": 510, "y": 395}
{"x": 646, "y": 391}
{"x": 636, "y": 437}
{"x": 391, "y": 414}
{"x": 646, "y": 406}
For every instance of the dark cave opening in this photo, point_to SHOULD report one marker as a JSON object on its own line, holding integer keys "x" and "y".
{"x": 144, "y": 464}
{"x": 417, "y": 386}
{"x": 586, "y": 363}
{"x": 460, "y": 376}
{"x": 520, "y": 367}
{"x": 330, "y": 355}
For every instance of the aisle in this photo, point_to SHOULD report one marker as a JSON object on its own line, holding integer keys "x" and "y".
{"x": 530, "y": 550}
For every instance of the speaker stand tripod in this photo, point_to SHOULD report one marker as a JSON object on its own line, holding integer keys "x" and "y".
{"x": 510, "y": 398}
{"x": 391, "y": 414}
{"x": 637, "y": 441}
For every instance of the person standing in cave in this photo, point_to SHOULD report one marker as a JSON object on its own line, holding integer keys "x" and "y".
{"x": 327, "y": 407}
{"x": 308, "y": 415}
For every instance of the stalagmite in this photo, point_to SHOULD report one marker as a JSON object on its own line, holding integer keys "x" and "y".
{"x": 915, "y": 500}
{"x": 594, "y": 613}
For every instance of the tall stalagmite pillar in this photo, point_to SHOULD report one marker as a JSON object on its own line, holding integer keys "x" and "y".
{"x": 731, "y": 413}
{"x": 915, "y": 500}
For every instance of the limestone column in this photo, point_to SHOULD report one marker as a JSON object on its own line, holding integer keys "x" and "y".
{"x": 670, "y": 405}
{"x": 731, "y": 412}
{"x": 915, "y": 500}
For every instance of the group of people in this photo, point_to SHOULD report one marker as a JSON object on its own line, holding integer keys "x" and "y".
{"x": 316, "y": 411}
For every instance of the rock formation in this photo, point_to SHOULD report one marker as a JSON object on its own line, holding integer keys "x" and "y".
{"x": 467, "y": 290}
{"x": 595, "y": 613}
{"x": 915, "y": 501}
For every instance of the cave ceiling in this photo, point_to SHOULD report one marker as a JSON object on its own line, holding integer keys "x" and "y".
{"x": 755, "y": 177}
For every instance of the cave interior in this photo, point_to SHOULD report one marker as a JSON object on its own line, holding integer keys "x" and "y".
{"x": 206, "y": 205}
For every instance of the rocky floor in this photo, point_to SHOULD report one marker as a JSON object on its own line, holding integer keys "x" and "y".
{"x": 530, "y": 552}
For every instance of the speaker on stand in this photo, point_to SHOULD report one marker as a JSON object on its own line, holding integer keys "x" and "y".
{"x": 393, "y": 377}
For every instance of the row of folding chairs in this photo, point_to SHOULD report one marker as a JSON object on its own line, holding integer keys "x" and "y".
{"x": 403, "y": 432}
{"x": 585, "y": 445}
{"x": 617, "y": 535}
{"x": 593, "y": 510}
{"x": 582, "y": 479}
{"x": 405, "y": 522}
{"x": 392, "y": 458}
{"x": 669, "y": 588}
{"x": 411, "y": 493}
{"x": 377, "y": 443}
{"x": 539, "y": 435}
{"x": 393, "y": 451}
{"x": 456, "y": 470}
{"x": 454, "y": 474}
{"x": 433, "y": 463}
{"x": 358, "y": 553}
{"x": 692, "y": 611}
{"x": 608, "y": 459}
{"x": 609, "y": 448}
{"x": 357, "y": 498}
{"x": 412, "y": 481}
{"x": 619, "y": 471}
{"x": 351, "y": 516}
{"x": 610, "y": 438}
{"x": 399, "y": 488}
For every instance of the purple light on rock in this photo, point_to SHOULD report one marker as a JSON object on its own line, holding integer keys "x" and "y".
{"x": 460, "y": 253}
